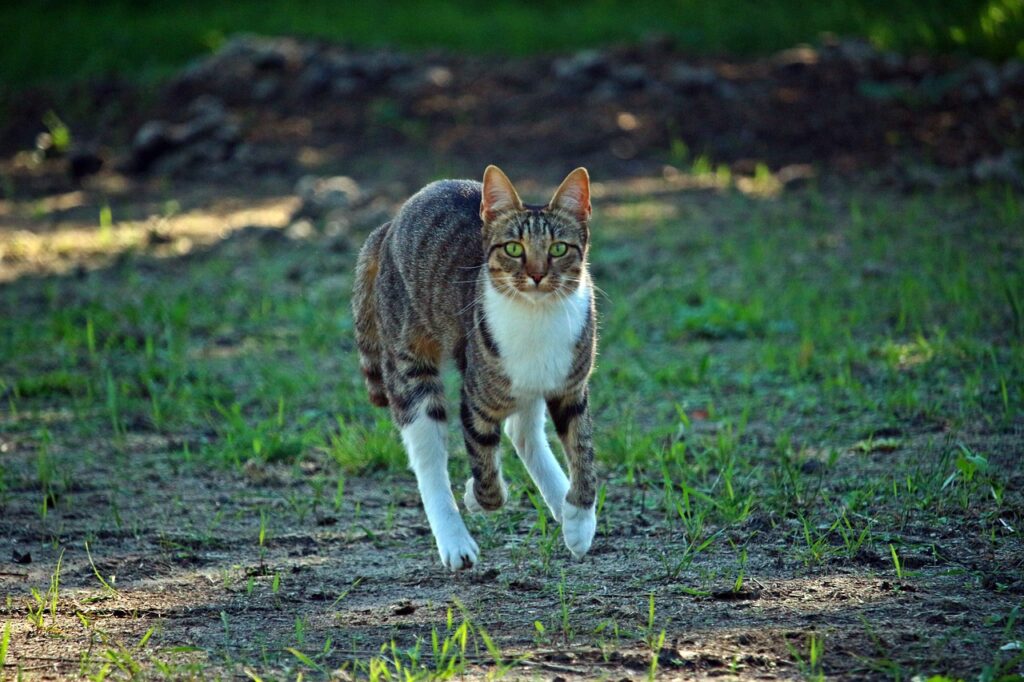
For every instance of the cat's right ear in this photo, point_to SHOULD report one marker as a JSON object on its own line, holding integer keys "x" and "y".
{"x": 498, "y": 195}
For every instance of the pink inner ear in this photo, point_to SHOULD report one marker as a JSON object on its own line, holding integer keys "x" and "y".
{"x": 498, "y": 194}
{"x": 574, "y": 195}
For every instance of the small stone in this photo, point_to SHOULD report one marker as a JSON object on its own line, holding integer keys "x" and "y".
{"x": 1012, "y": 72}
{"x": 269, "y": 57}
{"x": 584, "y": 65}
{"x": 345, "y": 85}
{"x": 300, "y": 229}
{"x": 266, "y": 89}
{"x": 439, "y": 75}
{"x": 1004, "y": 168}
{"x": 686, "y": 77}
{"x": 152, "y": 139}
{"x": 321, "y": 196}
{"x": 315, "y": 80}
{"x": 630, "y": 76}
{"x": 83, "y": 161}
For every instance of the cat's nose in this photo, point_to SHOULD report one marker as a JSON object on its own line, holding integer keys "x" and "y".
{"x": 537, "y": 277}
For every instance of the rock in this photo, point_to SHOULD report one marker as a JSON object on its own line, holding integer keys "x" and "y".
{"x": 582, "y": 68}
{"x": 857, "y": 52}
{"x": 345, "y": 85}
{"x": 691, "y": 78}
{"x": 83, "y": 161}
{"x": 338, "y": 223}
{"x": 986, "y": 79}
{"x": 1003, "y": 168}
{"x": 207, "y": 137}
{"x": 207, "y": 106}
{"x": 630, "y": 76}
{"x": 151, "y": 141}
{"x": 315, "y": 79}
{"x": 419, "y": 80}
{"x": 439, "y": 76}
{"x": 300, "y": 229}
{"x": 268, "y": 57}
{"x": 324, "y": 196}
{"x": 1012, "y": 73}
{"x": 266, "y": 89}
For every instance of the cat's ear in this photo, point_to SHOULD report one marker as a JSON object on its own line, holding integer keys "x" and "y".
{"x": 498, "y": 195}
{"x": 573, "y": 195}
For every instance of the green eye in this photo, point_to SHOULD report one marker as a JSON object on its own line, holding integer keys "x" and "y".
{"x": 558, "y": 249}
{"x": 514, "y": 249}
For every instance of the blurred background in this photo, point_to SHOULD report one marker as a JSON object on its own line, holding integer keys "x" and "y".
{"x": 807, "y": 232}
{"x": 847, "y": 85}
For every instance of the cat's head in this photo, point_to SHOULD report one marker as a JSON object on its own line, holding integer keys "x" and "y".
{"x": 536, "y": 253}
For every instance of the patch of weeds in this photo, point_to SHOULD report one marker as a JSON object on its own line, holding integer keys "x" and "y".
{"x": 46, "y": 603}
{"x": 5, "y": 642}
{"x": 718, "y": 319}
{"x": 51, "y": 482}
{"x": 59, "y": 382}
{"x": 359, "y": 449}
{"x": 267, "y": 440}
{"x": 448, "y": 655}
{"x": 809, "y": 657}
{"x": 546, "y": 537}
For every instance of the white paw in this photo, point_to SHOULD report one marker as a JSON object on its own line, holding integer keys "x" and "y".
{"x": 457, "y": 547}
{"x": 472, "y": 505}
{"x": 578, "y": 527}
{"x": 469, "y": 499}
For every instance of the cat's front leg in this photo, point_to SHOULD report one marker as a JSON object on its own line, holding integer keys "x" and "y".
{"x": 571, "y": 415}
{"x": 481, "y": 427}
{"x": 526, "y": 429}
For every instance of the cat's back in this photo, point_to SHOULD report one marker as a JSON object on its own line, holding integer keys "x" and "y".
{"x": 432, "y": 253}
{"x": 439, "y": 223}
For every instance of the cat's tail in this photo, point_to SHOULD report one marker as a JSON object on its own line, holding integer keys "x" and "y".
{"x": 365, "y": 315}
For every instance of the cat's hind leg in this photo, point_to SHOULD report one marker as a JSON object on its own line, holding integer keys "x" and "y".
{"x": 481, "y": 429}
{"x": 365, "y": 319}
{"x": 526, "y": 430}
{"x": 416, "y": 395}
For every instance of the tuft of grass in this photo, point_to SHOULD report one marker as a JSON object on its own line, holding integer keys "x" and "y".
{"x": 358, "y": 448}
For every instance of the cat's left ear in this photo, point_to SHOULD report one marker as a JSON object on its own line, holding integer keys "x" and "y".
{"x": 573, "y": 195}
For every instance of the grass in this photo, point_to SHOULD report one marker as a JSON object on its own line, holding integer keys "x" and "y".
{"x": 823, "y": 378}
{"x": 61, "y": 40}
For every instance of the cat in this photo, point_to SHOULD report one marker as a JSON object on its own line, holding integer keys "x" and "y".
{"x": 466, "y": 271}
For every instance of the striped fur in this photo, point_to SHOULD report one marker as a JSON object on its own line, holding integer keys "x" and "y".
{"x": 439, "y": 281}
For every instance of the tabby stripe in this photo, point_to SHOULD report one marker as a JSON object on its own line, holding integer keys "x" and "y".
{"x": 488, "y": 440}
{"x": 485, "y": 333}
{"x": 372, "y": 373}
{"x": 459, "y": 353}
{"x": 579, "y": 368}
{"x": 420, "y": 370}
{"x": 437, "y": 413}
{"x": 413, "y": 398}
{"x": 563, "y": 415}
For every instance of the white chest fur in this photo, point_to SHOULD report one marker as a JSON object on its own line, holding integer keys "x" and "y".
{"x": 536, "y": 339}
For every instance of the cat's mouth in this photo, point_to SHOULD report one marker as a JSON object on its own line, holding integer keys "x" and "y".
{"x": 536, "y": 292}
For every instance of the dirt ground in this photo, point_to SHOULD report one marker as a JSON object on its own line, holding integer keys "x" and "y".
{"x": 181, "y": 545}
{"x": 200, "y": 571}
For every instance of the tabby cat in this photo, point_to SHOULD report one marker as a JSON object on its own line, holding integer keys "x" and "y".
{"x": 467, "y": 271}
